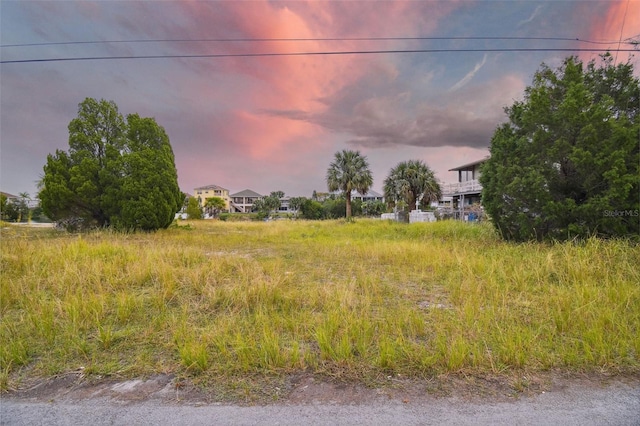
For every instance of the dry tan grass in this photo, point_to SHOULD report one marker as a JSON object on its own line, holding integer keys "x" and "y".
{"x": 349, "y": 300}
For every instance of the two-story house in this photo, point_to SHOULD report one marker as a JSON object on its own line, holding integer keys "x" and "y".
{"x": 371, "y": 195}
{"x": 467, "y": 190}
{"x": 242, "y": 202}
{"x": 210, "y": 191}
{"x": 285, "y": 205}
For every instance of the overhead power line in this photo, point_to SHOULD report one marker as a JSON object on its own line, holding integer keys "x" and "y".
{"x": 624, "y": 18}
{"x": 321, "y": 53}
{"x": 260, "y": 40}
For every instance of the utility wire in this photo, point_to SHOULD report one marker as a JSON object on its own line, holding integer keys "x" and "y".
{"x": 323, "y": 53}
{"x": 260, "y": 40}
{"x": 622, "y": 28}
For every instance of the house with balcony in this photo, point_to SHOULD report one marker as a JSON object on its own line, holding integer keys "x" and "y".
{"x": 243, "y": 201}
{"x": 17, "y": 199}
{"x": 10, "y": 197}
{"x": 210, "y": 191}
{"x": 371, "y": 195}
{"x": 467, "y": 191}
{"x": 285, "y": 205}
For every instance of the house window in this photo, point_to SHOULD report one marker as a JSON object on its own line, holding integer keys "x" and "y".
{"x": 476, "y": 173}
{"x": 466, "y": 175}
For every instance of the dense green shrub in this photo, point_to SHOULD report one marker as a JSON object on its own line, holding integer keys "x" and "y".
{"x": 566, "y": 164}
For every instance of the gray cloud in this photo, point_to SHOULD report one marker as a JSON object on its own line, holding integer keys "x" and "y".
{"x": 398, "y": 120}
{"x": 431, "y": 127}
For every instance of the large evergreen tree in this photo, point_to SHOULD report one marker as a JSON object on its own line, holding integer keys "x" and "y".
{"x": 566, "y": 164}
{"x": 116, "y": 173}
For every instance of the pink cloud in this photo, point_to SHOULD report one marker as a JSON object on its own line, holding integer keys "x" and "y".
{"x": 620, "y": 22}
{"x": 301, "y": 85}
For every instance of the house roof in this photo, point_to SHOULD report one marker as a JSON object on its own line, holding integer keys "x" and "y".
{"x": 370, "y": 194}
{"x": 9, "y": 196}
{"x": 354, "y": 193}
{"x": 469, "y": 165}
{"x": 212, "y": 187}
{"x": 246, "y": 193}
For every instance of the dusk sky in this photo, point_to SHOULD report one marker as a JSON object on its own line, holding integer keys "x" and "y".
{"x": 271, "y": 123}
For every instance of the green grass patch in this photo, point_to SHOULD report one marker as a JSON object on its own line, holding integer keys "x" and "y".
{"x": 353, "y": 300}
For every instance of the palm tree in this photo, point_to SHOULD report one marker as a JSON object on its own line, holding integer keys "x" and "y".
{"x": 214, "y": 205}
{"x": 411, "y": 181}
{"x": 23, "y": 206}
{"x": 349, "y": 171}
{"x": 296, "y": 203}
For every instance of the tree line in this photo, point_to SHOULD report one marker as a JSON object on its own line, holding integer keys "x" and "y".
{"x": 565, "y": 165}
{"x": 411, "y": 184}
{"x": 325, "y": 206}
{"x": 19, "y": 209}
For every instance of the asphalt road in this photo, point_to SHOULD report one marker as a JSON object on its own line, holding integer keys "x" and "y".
{"x": 616, "y": 404}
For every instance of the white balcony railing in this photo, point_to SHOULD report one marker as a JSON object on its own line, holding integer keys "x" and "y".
{"x": 461, "y": 187}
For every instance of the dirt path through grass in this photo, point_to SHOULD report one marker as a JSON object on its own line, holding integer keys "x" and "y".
{"x": 158, "y": 401}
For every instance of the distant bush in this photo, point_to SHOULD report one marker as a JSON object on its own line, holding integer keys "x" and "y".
{"x": 238, "y": 217}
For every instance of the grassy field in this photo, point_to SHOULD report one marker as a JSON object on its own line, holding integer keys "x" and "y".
{"x": 354, "y": 301}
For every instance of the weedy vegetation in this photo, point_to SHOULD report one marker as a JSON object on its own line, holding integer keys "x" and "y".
{"x": 226, "y": 301}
